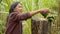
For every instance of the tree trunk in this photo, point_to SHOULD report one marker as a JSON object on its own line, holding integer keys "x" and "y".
{"x": 57, "y": 22}
{"x": 40, "y": 26}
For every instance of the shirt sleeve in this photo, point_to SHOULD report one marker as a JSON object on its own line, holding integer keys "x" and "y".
{"x": 24, "y": 16}
{"x": 18, "y": 17}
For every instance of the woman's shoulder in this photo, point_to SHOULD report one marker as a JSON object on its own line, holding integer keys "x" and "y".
{"x": 13, "y": 14}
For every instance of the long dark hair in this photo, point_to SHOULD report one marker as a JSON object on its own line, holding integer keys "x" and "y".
{"x": 13, "y": 6}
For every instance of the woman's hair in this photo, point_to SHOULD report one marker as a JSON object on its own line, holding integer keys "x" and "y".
{"x": 13, "y": 6}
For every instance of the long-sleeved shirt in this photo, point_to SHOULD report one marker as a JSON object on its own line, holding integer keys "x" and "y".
{"x": 14, "y": 23}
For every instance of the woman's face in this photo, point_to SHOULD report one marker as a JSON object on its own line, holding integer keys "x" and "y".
{"x": 18, "y": 8}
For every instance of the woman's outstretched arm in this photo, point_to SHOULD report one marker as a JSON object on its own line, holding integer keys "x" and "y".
{"x": 24, "y": 16}
{"x": 46, "y": 10}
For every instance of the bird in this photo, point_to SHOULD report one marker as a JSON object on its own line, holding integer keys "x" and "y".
{"x": 44, "y": 14}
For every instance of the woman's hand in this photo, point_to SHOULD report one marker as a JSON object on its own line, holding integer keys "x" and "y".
{"x": 46, "y": 10}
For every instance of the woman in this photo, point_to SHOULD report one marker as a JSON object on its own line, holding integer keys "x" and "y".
{"x": 15, "y": 18}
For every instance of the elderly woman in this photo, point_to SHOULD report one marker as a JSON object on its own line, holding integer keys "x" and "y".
{"x": 15, "y": 18}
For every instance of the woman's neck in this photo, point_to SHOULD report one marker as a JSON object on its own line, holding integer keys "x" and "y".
{"x": 18, "y": 12}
